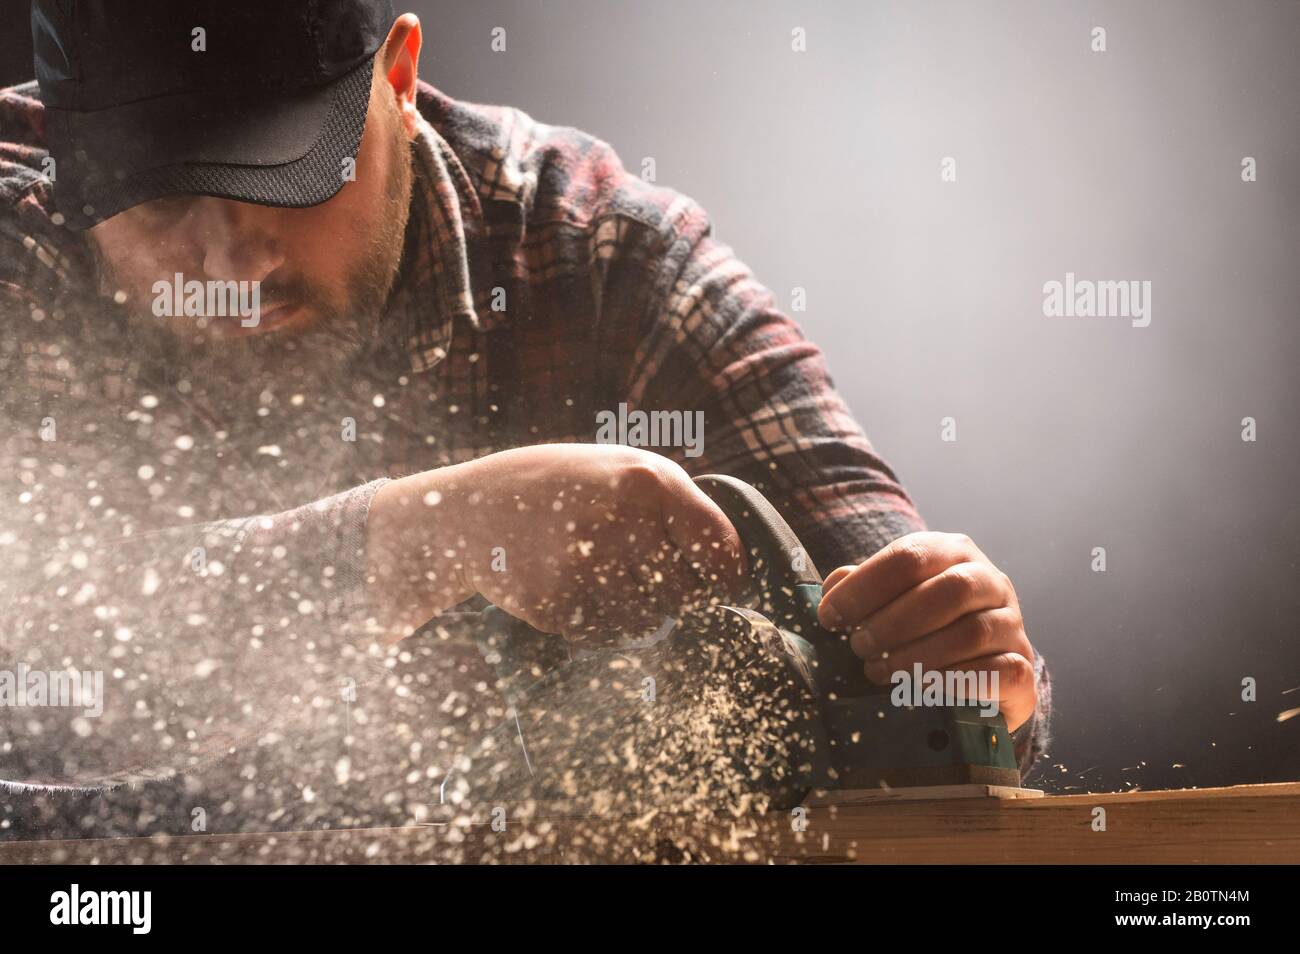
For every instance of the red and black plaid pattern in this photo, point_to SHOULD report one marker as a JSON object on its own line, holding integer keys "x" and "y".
{"x": 541, "y": 284}
{"x": 545, "y": 283}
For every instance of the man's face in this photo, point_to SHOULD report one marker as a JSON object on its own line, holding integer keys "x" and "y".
{"x": 324, "y": 272}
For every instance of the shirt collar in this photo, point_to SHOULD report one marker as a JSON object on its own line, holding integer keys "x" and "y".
{"x": 434, "y": 289}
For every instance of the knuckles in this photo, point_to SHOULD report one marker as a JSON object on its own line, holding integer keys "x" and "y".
{"x": 963, "y": 542}
{"x": 910, "y": 554}
{"x": 984, "y": 631}
{"x": 1018, "y": 674}
{"x": 963, "y": 582}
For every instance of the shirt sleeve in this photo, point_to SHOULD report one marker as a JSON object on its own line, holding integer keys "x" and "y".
{"x": 141, "y": 637}
{"x": 133, "y": 657}
{"x": 714, "y": 341}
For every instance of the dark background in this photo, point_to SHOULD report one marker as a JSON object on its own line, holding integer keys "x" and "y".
{"x": 822, "y": 169}
{"x": 15, "y": 42}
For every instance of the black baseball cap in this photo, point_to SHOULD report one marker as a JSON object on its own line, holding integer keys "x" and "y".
{"x": 255, "y": 100}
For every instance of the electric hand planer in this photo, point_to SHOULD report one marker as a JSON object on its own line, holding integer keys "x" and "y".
{"x": 731, "y": 706}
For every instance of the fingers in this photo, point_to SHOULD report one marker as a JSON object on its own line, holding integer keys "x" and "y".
{"x": 704, "y": 535}
{"x": 834, "y": 578}
{"x": 1015, "y": 692}
{"x": 973, "y": 636}
{"x": 1006, "y": 677}
{"x": 681, "y": 553}
{"x": 891, "y": 572}
{"x": 932, "y": 605}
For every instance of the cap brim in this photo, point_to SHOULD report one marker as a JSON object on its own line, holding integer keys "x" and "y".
{"x": 285, "y": 150}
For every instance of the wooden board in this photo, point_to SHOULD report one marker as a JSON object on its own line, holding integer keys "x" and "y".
{"x": 862, "y": 796}
{"x": 1239, "y": 825}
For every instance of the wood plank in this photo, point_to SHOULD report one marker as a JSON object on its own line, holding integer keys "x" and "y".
{"x": 1237, "y": 825}
{"x": 919, "y": 793}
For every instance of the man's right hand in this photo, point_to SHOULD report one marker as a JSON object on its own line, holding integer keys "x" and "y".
{"x": 583, "y": 540}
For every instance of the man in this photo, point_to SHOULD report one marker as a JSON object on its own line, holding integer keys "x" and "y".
{"x": 300, "y": 353}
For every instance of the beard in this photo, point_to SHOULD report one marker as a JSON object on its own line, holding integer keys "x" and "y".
{"x": 226, "y": 373}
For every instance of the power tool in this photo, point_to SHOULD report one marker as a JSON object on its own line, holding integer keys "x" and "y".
{"x": 733, "y": 706}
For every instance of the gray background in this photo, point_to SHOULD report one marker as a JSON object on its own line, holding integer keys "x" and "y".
{"x": 822, "y": 170}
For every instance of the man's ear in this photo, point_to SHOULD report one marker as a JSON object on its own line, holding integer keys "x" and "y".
{"x": 400, "y": 60}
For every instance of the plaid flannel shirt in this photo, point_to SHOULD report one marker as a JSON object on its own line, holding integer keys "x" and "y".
{"x": 541, "y": 284}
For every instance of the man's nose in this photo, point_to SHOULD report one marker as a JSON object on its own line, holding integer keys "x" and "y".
{"x": 237, "y": 241}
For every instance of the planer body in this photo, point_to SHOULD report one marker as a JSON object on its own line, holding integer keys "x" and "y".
{"x": 753, "y": 705}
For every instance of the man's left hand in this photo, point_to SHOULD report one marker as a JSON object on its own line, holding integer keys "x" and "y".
{"x": 935, "y": 599}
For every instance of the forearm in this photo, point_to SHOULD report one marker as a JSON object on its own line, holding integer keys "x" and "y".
{"x": 418, "y": 542}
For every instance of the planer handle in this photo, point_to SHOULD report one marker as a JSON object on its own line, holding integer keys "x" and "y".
{"x": 787, "y": 587}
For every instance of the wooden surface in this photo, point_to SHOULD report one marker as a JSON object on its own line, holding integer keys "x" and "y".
{"x": 1243, "y": 824}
